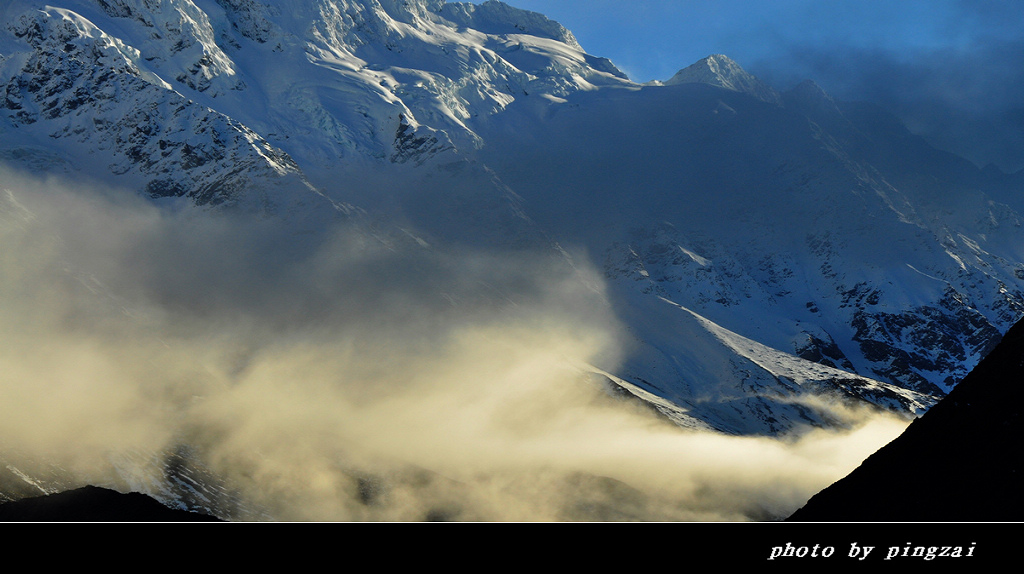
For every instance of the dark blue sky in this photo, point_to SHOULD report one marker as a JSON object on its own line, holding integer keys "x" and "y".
{"x": 952, "y": 69}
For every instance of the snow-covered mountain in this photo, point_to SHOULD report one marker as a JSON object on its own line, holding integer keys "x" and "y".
{"x": 720, "y": 70}
{"x": 767, "y": 254}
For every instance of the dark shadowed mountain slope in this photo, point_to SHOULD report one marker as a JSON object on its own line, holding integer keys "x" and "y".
{"x": 95, "y": 504}
{"x": 959, "y": 462}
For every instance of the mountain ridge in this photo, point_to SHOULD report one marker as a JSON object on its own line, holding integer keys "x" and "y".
{"x": 720, "y": 70}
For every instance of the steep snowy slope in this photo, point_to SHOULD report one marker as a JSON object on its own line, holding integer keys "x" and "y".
{"x": 287, "y": 100}
{"x": 330, "y": 79}
{"x": 91, "y": 98}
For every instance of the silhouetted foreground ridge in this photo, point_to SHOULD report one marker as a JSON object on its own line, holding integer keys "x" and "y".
{"x": 960, "y": 462}
{"x": 94, "y": 504}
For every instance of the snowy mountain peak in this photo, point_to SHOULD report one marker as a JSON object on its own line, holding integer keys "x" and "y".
{"x": 361, "y": 22}
{"x": 494, "y": 17}
{"x": 317, "y": 80}
{"x": 812, "y": 99}
{"x": 720, "y": 70}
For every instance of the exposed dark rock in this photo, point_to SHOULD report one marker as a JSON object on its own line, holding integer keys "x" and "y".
{"x": 417, "y": 144}
{"x": 909, "y": 345}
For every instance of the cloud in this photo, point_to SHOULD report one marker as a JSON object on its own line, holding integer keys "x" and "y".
{"x": 949, "y": 68}
{"x": 345, "y": 376}
{"x": 951, "y": 71}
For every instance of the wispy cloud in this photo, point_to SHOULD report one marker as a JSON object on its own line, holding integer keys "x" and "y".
{"x": 342, "y": 378}
{"x": 950, "y": 68}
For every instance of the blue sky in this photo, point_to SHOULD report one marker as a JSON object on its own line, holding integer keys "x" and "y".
{"x": 651, "y": 39}
{"x": 952, "y": 69}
